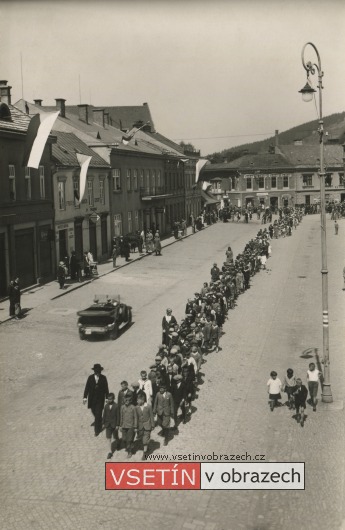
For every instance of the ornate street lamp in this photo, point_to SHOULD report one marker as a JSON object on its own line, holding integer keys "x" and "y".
{"x": 307, "y": 95}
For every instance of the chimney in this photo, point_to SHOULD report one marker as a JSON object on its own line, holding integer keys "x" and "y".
{"x": 60, "y": 104}
{"x": 38, "y": 102}
{"x": 5, "y": 92}
{"x": 276, "y": 138}
{"x": 98, "y": 116}
{"x": 84, "y": 112}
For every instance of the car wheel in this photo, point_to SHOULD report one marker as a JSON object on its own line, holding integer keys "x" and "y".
{"x": 114, "y": 333}
{"x": 81, "y": 336}
{"x": 129, "y": 316}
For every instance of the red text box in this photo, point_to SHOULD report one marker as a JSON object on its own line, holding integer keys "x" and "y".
{"x": 152, "y": 476}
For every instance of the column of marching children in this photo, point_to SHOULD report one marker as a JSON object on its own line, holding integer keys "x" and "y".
{"x": 164, "y": 393}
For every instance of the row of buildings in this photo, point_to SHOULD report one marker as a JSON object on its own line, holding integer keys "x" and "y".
{"x": 146, "y": 182}
{"x": 286, "y": 175}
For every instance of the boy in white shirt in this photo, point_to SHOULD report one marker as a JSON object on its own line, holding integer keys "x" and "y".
{"x": 274, "y": 386}
{"x": 313, "y": 376}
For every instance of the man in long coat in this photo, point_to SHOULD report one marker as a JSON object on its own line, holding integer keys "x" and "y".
{"x": 95, "y": 393}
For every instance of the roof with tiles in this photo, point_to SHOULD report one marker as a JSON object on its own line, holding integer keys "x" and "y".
{"x": 19, "y": 121}
{"x": 64, "y": 151}
{"x": 252, "y": 162}
{"x": 94, "y": 135}
{"x": 162, "y": 139}
{"x": 309, "y": 155}
{"x": 129, "y": 116}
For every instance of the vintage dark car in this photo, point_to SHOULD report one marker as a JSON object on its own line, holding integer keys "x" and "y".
{"x": 106, "y": 316}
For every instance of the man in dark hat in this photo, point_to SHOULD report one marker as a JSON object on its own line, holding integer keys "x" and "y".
{"x": 95, "y": 393}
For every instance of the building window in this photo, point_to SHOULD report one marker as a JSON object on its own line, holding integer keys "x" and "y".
{"x": 141, "y": 178}
{"x": 61, "y": 193}
{"x": 42, "y": 182}
{"x": 273, "y": 181}
{"x": 27, "y": 183}
{"x": 135, "y": 179}
{"x": 128, "y": 180}
{"x": 12, "y": 182}
{"x": 341, "y": 180}
{"x": 249, "y": 183}
{"x": 101, "y": 191}
{"x": 148, "y": 181}
{"x": 328, "y": 180}
{"x": 116, "y": 180}
{"x": 307, "y": 180}
{"x": 118, "y": 225}
{"x": 76, "y": 193}
{"x": 261, "y": 183}
{"x": 129, "y": 222}
{"x": 153, "y": 182}
{"x": 159, "y": 178}
{"x": 136, "y": 220}
{"x": 90, "y": 192}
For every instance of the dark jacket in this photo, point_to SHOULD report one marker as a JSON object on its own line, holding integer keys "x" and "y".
{"x": 96, "y": 393}
{"x": 179, "y": 392}
{"x": 300, "y": 395}
{"x": 111, "y": 416}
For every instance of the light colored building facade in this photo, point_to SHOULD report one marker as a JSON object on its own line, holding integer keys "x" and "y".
{"x": 80, "y": 225}
{"x": 285, "y": 177}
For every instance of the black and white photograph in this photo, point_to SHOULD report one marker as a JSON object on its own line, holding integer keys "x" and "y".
{"x": 172, "y": 264}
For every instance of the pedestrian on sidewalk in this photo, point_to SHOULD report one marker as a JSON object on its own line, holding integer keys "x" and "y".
{"x": 157, "y": 244}
{"x": 11, "y": 297}
{"x": 16, "y": 298}
{"x": 146, "y": 423}
{"x": 313, "y": 377}
{"x": 289, "y": 387}
{"x": 110, "y": 421}
{"x": 73, "y": 265}
{"x": 300, "y": 396}
{"x": 274, "y": 386}
{"x": 61, "y": 274}
{"x": 95, "y": 393}
{"x": 128, "y": 424}
{"x": 336, "y": 227}
{"x": 114, "y": 254}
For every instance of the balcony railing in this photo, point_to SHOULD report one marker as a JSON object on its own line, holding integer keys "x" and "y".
{"x": 153, "y": 191}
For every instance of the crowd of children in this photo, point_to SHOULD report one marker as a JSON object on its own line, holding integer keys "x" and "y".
{"x": 295, "y": 390}
{"x": 167, "y": 390}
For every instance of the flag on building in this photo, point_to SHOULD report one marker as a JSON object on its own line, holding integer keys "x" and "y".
{"x": 199, "y": 165}
{"x": 129, "y": 135}
{"x": 84, "y": 161}
{"x": 36, "y": 138}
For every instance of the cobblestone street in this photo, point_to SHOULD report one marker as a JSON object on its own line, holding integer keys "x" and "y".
{"x": 52, "y": 466}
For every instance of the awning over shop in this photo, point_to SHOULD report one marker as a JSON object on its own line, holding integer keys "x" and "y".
{"x": 208, "y": 199}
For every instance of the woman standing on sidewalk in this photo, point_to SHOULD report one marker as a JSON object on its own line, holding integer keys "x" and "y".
{"x": 157, "y": 244}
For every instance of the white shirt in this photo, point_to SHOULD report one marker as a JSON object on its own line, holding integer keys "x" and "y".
{"x": 274, "y": 385}
{"x": 313, "y": 375}
{"x": 146, "y": 386}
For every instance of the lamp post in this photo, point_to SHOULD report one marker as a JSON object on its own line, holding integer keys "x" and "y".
{"x": 307, "y": 95}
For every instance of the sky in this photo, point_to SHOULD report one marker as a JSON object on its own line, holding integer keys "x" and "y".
{"x": 214, "y": 73}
